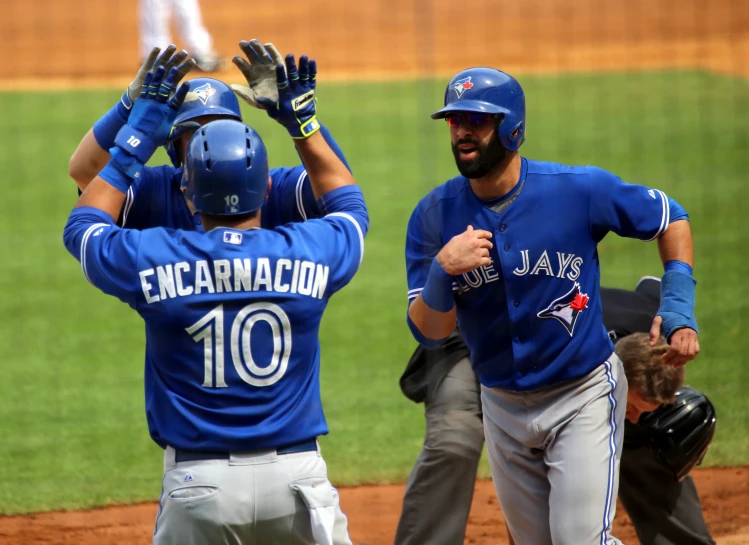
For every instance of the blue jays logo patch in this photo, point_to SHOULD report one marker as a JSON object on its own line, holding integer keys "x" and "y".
{"x": 461, "y": 86}
{"x": 204, "y": 92}
{"x": 567, "y": 308}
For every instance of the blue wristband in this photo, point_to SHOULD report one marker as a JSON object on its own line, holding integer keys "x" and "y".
{"x": 115, "y": 177}
{"x": 438, "y": 291}
{"x": 107, "y": 127}
{"x": 135, "y": 143}
{"x": 677, "y": 265}
{"x": 677, "y": 302}
{"x": 121, "y": 170}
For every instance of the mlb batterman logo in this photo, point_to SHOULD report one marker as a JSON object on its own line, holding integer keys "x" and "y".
{"x": 204, "y": 92}
{"x": 462, "y": 85}
{"x": 232, "y": 238}
{"x": 567, "y": 308}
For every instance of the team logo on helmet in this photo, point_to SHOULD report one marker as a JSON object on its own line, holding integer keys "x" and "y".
{"x": 204, "y": 92}
{"x": 461, "y": 86}
{"x": 567, "y": 308}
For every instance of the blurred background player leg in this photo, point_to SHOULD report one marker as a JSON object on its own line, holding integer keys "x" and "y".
{"x": 440, "y": 488}
{"x": 153, "y": 21}
{"x": 198, "y": 41}
{"x": 154, "y": 18}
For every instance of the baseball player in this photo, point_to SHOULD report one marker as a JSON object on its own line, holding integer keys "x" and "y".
{"x": 658, "y": 451}
{"x": 508, "y": 251}
{"x": 233, "y": 316}
{"x": 154, "y": 15}
{"x": 156, "y": 198}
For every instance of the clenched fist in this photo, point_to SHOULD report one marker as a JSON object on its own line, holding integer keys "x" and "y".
{"x": 466, "y": 252}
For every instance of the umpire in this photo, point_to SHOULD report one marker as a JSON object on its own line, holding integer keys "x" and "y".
{"x": 660, "y": 448}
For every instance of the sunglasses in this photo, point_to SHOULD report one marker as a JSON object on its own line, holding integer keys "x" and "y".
{"x": 472, "y": 118}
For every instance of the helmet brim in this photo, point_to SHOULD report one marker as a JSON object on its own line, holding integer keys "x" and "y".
{"x": 200, "y": 112}
{"x": 478, "y": 106}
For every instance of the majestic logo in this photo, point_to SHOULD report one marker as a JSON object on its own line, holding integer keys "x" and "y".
{"x": 232, "y": 238}
{"x": 567, "y": 308}
{"x": 461, "y": 86}
{"x": 204, "y": 92}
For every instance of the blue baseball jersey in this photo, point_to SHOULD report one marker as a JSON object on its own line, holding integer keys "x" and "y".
{"x": 232, "y": 319}
{"x": 156, "y": 200}
{"x": 533, "y": 317}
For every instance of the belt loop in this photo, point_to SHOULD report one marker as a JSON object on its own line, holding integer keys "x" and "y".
{"x": 169, "y": 461}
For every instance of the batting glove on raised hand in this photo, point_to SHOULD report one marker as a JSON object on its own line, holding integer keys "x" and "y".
{"x": 147, "y": 128}
{"x": 168, "y": 59}
{"x": 260, "y": 72}
{"x": 295, "y": 108}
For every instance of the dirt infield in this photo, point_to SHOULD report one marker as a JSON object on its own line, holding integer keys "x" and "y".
{"x": 74, "y": 43}
{"x": 373, "y": 514}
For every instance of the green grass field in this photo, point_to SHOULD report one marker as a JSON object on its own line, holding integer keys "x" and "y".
{"x": 72, "y": 423}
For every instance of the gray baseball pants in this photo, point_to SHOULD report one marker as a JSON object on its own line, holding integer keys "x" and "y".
{"x": 554, "y": 454}
{"x": 258, "y": 498}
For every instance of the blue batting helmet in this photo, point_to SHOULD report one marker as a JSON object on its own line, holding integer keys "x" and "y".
{"x": 226, "y": 169}
{"x": 206, "y": 96}
{"x": 491, "y": 91}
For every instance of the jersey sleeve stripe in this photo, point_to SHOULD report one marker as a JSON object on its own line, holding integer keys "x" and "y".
{"x": 358, "y": 230}
{"x": 84, "y": 243}
{"x": 299, "y": 193}
{"x": 665, "y": 215}
{"x": 415, "y": 291}
{"x": 128, "y": 205}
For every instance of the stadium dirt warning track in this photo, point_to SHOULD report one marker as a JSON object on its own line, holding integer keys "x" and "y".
{"x": 83, "y": 43}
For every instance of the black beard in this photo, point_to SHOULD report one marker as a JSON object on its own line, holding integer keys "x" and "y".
{"x": 488, "y": 157}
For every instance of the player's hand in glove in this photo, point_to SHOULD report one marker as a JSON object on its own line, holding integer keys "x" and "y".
{"x": 466, "y": 252}
{"x": 260, "y": 72}
{"x": 147, "y": 128}
{"x": 295, "y": 108}
{"x": 168, "y": 59}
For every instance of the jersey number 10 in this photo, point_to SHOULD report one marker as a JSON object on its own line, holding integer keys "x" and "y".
{"x": 210, "y": 330}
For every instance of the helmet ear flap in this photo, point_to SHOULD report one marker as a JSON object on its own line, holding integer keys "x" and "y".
{"x": 512, "y": 138}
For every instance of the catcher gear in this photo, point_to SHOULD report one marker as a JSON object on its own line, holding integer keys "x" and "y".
{"x": 682, "y": 432}
{"x": 226, "y": 169}
{"x": 295, "y": 108}
{"x": 260, "y": 72}
{"x": 487, "y": 90}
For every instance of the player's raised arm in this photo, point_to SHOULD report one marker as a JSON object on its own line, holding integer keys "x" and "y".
{"x": 92, "y": 153}
{"x": 640, "y": 212}
{"x": 90, "y": 234}
{"x": 296, "y": 111}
